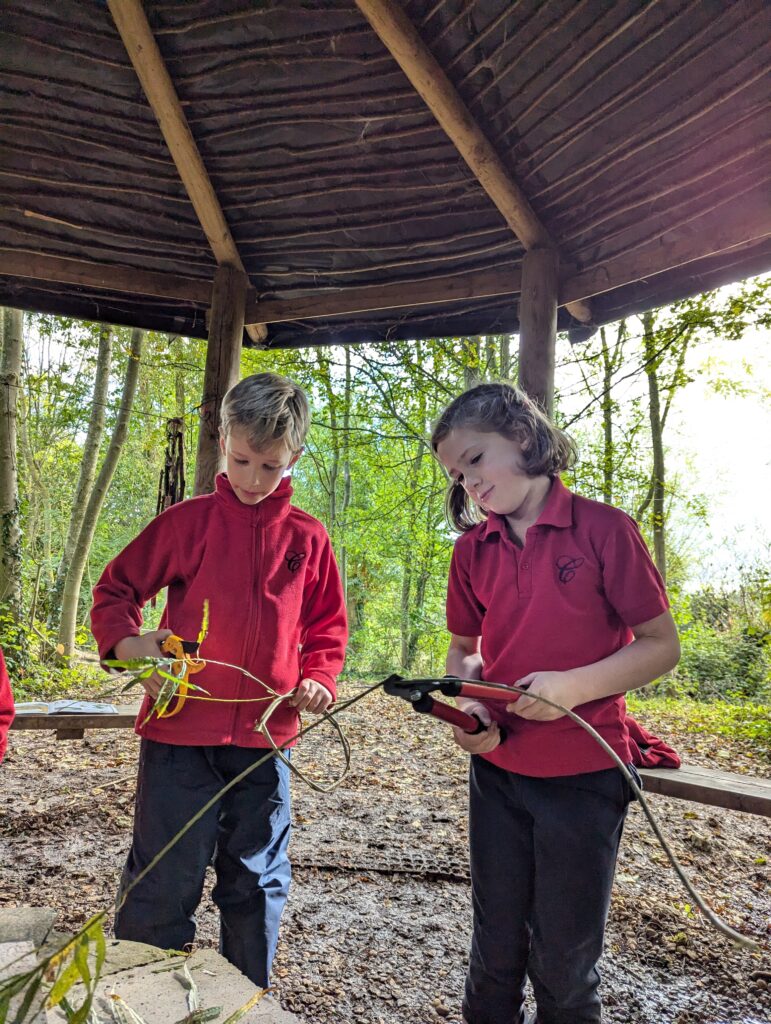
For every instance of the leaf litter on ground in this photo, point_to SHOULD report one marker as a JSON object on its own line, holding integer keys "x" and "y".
{"x": 370, "y": 935}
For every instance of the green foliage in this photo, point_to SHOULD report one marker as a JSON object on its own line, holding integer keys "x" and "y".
{"x": 725, "y": 636}
{"x": 15, "y": 642}
{"x": 78, "y": 961}
{"x": 367, "y": 471}
{"x": 748, "y": 723}
{"x": 729, "y": 663}
{"x": 34, "y": 667}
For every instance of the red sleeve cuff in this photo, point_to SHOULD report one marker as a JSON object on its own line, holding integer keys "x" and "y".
{"x": 324, "y": 678}
{"x": 460, "y": 627}
{"x": 645, "y": 612}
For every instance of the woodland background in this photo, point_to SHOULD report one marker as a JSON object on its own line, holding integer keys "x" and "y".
{"x": 83, "y": 437}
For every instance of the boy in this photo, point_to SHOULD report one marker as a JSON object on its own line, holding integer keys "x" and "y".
{"x": 276, "y": 609}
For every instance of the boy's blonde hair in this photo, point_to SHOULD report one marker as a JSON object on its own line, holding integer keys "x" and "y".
{"x": 502, "y": 409}
{"x": 269, "y": 408}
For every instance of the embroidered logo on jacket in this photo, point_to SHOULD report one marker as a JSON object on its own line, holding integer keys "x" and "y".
{"x": 567, "y": 567}
{"x": 294, "y": 560}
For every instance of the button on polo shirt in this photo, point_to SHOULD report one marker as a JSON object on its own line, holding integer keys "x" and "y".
{"x": 570, "y": 597}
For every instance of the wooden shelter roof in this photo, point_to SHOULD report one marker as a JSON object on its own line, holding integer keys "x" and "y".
{"x": 637, "y": 131}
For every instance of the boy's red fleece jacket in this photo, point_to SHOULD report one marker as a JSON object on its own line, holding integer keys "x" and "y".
{"x": 276, "y": 608}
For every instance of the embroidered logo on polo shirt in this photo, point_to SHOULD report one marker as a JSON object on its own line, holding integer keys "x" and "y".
{"x": 567, "y": 567}
{"x": 294, "y": 560}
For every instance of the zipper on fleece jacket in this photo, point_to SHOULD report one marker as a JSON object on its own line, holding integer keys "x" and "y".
{"x": 249, "y": 645}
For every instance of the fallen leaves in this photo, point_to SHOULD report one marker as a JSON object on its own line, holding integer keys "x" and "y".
{"x": 378, "y": 922}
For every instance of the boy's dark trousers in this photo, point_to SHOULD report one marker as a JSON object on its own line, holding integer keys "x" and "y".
{"x": 543, "y": 854}
{"x": 245, "y": 835}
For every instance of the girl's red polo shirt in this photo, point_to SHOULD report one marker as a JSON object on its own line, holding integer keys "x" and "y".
{"x": 568, "y": 598}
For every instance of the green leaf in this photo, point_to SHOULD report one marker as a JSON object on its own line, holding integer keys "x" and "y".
{"x": 132, "y": 664}
{"x": 237, "y": 1015}
{"x": 28, "y": 1000}
{"x": 167, "y": 675}
{"x": 82, "y": 1015}
{"x": 66, "y": 979}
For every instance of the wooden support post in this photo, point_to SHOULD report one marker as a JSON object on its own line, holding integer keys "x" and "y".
{"x": 538, "y": 325}
{"x": 223, "y": 361}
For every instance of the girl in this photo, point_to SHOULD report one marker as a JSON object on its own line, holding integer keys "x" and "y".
{"x": 556, "y": 593}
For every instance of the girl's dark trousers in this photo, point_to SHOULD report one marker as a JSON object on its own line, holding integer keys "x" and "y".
{"x": 245, "y": 836}
{"x": 543, "y": 854}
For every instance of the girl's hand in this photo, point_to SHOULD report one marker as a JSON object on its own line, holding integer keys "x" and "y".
{"x": 480, "y": 742}
{"x": 560, "y": 687}
{"x": 311, "y": 696}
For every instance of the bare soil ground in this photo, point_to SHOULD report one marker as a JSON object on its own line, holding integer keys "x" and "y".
{"x": 378, "y": 922}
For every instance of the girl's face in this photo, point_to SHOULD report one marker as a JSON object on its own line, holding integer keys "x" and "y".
{"x": 254, "y": 475}
{"x": 491, "y": 470}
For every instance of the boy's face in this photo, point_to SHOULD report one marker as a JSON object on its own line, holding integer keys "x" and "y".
{"x": 254, "y": 475}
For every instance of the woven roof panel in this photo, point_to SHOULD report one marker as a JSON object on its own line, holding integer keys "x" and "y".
{"x": 620, "y": 121}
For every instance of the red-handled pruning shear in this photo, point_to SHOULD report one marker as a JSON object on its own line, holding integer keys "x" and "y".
{"x": 418, "y": 693}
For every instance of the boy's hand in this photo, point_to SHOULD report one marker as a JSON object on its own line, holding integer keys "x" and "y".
{"x": 480, "y": 742}
{"x": 311, "y": 696}
{"x": 146, "y": 645}
{"x": 560, "y": 687}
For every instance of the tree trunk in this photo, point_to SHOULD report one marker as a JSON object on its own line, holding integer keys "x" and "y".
{"x": 88, "y": 463}
{"x": 505, "y": 356}
{"x": 342, "y": 541}
{"x": 471, "y": 375}
{"x": 404, "y": 614}
{"x": 412, "y": 602}
{"x": 658, "y": 476}
{"x": 10, "y": 545}
{"x": 177, "y": 349}
{"x": 74, "y": 578}
{"x": 607, "y": 421}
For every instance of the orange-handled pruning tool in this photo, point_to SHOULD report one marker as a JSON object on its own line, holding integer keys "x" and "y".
{"x": 186, "y": 663}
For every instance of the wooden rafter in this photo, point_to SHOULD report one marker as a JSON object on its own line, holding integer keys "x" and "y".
{"x": 707, "y": 236}
{"x": 368, "y": 298}
{"x": 426, "y": 75}
{"x": 65, "y": 270}
{"x": 138, "y": 38}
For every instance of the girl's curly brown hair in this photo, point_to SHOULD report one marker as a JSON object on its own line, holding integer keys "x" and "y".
{"x": 502, "y": 409}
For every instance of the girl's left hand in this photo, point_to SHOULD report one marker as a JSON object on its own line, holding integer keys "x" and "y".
{"x": 560, "y": 687}
{"x": 311, "y": 696}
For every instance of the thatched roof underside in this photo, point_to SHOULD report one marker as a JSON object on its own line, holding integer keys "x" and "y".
{"x": 625, "y": 124}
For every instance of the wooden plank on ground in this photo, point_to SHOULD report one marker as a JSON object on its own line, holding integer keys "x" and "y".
{"x": 711, "y": 786}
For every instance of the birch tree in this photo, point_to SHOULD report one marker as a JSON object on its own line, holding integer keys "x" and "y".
{"x": 91, "y": 447}
{"x": 10, "y": 542}
{"x": 74, "y": 578}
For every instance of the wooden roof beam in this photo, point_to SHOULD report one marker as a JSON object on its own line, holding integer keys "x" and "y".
{"x": 428, "y": 78}
{"x": 137, "y": 36}
{"x": 708, "y": 235}
{"x": 159, "y": 284}
{"x": 84, "y": 274}
{"x": 404, "y": 294}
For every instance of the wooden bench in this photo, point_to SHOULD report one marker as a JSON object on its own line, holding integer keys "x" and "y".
{"x": 699, "y": 785}
{"x": 73, "y": 726}
{"x": 711, "y": 786}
